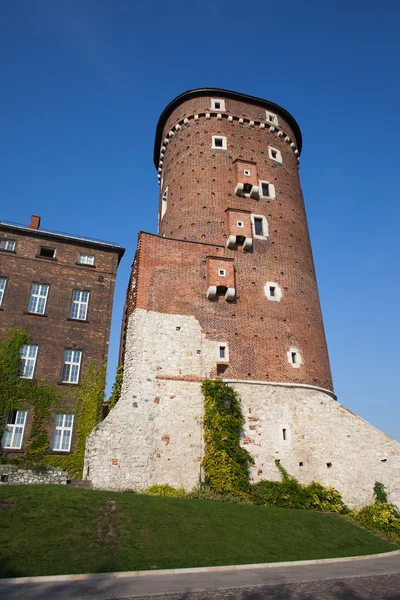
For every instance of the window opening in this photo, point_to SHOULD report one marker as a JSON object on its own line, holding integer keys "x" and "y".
{"x": 271, "y": 117}
{"x": 80, "y": 304}
{"x": 265, "y": 188}
{"x": 222, "y": 351}
{"x": 14, "y": 429}
{"x": 8, "y": 245}
{"x": 3, "y": 283}
{"x": 217, "y": 104}
{"x": 27, "y": 361}
{"x": 247, "y": 172}
{"x": 164, "y": 203}
{"x": 221, "y": 272}
{"x": 63, "y": 433}
{"x": 71, "y": 366}
{"x": 46, "y": 252}
{"x": 219, "y": 142}
{"x": 240, "y": 224}
{"x": 86, "y": 259}
{"x": 294, "y": 357}
{"x": 258, "y": 226}
{"x": 284, "y": 434}
{"x": 38, "y": 298}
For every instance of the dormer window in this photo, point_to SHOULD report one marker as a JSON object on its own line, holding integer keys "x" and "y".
{"x": 217, "y": 104}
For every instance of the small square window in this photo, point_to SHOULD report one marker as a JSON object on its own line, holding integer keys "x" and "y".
{"x": 222, "y": 272}
{"x": 275, "y": 154}
{"x": 8, "y": 245}
{"x": 217, "y": 104}
{"x": 46, "y": 252}
{"x": 273, "y": 291}
{"x": 219, "y": 142}
{"x": 247, "y": 172}
{"x": 240, "y": 224}
{"x": 271, "y": 118}
{"x": 86, "y": 259}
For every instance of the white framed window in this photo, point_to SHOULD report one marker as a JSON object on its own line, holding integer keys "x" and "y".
{"x": 63, "y": 433}
{"x": 219, "y": 142}
{"x": 222, "y": 272}
{"x": 86, "y": 259}
{"x": 27, "y": 361}
{"x": 8, "y": 245}
{"x": 71, "y": 366}
{"x": 217, "y": 104}
{"x": 273, "y": 291}
{"x": 223, "y": 352}
{"x": 79, "y": 306}
{"x": 3, "y": 284}
{"x": 38, "y": 298}
{"x": 46, "y": 252}
{"x": 240, "y": 223}
{"x": 294, "y": 358}
{"x": 164, "y": 203}
{"x": 267, "y": 190}
{"x": 14, "y": 429}
{"x": 260, "y": 226}
{"x": 247, "y": 172}
{"x": 275, "y": 154}
{"x": 271, "y": 117}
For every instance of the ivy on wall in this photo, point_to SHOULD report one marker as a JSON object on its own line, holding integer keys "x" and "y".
{"x": 225, "y": 462}
{"x": 116, "y": 389}
{"x": 16, "y": 392}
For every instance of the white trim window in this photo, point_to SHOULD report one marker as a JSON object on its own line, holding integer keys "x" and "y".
{"x": 3, "y": 284}
{"x": 223, "y": 352}
{"x": 266, "y": 189}
{"x": 164, "y": 203}
{"x": 222, "y": 272}
{"x": 38, "y": 298}
{"x": 14, "y": 429}
{"x": 79, "y": 306}
{"x": 71, "y": 366}
{"x": 27, "y": 361}
{"x": 271, "y": 117}
{"x": 218, "y": 142}
{"x": 8, "y": 245}
{"x": 217, "y": 104}
{"x": 63, "y": 433}
{"x": 86, "y": 259}
{"x": 294, "y": 358}
{"x": 273, "y": 291}
{"x": 260, "y": 227}
{"x": 275, "y": 154}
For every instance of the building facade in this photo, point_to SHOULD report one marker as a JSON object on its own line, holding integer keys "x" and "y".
{"x": 228, "y": 289}
{"x": 60, "y": 288}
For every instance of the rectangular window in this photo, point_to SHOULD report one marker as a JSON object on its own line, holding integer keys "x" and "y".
{"x": 7, "y": 245}
{"x": 222, "y": 272}
{"x": 80, "y": 303}
{"x": 38, "y": 299}
{"x": 275, "y": 154}
{"x": 271, "y": 118}
{"x": 271, "y": 291}
{"x": 217, "y": 104}
{"x": 284, "y": 434}
{"x": 63, "y": 433}
{"x": 71, "y": 366}
{"x": 222, "y": 351}
{"x": 86, "y": 259}
{"x": 27, "y": 361}
{"x": 46, "y": 252}
{"x": 219, "y": 142}
{"x": 3, "y": 283}
{"x": 14, "y": 429}
{"x": 258, "y": 226}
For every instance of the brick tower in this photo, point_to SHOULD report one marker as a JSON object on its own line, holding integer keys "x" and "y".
{"x": 227, "y": 289}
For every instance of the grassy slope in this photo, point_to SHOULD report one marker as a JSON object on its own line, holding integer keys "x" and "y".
{"x": 47, "y": 530}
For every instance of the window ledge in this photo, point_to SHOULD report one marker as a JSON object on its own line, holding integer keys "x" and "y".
{"x": 13, "y": 450}
{"x": 66, "y": 383}
{"x": 8, "y": 251}
{"x": 83, "y": 265}
{"x": 58, "y": 452}
{"x": 78, "y": 320}
{"x": 34, "y": 314}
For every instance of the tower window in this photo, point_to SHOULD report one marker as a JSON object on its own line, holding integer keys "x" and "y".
{"x": 223, "y": 352}
{"x": 217, "y": 104}
{"x": 271, "y": 117}
{"x": 164, "y": 203}
{"x": 275, "y": 154}
{"x": 294, "y": 358}
{"x": 240, "y": 223}
{"x": 267, "y": 190}
{"x": 247, "y": 172}
{"x": 273, "y": 291}
{"x": 218, "y": 142}
{"x": 260, "y": 226}
{"x": 222, "y": 272}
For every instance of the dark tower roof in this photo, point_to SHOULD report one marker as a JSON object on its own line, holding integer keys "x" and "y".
{"x": 224, "y": 94}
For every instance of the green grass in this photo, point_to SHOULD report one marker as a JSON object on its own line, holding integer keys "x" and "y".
{"x": 49, "y": 530}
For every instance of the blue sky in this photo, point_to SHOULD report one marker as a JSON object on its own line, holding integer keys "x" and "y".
{"x": 83, "y": 83}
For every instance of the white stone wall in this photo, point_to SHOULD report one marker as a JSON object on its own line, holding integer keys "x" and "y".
{"x": 10, "y": 475}
{"x": 154, "y": 434}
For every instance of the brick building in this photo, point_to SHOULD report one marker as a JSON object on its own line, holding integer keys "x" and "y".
{"x": 61, "y": 288}
{"x": 228, "y": 289}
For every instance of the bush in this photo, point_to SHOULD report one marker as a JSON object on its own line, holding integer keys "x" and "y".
{"x": 380, "y": 492}
{"x": 165, "y": 490}
{"x": 382, "y": 518}
{"x": 207, "y": 493}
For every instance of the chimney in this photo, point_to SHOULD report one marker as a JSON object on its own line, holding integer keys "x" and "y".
{"x": 35, "y": 222}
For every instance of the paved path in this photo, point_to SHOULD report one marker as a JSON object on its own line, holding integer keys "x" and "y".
{"x": 375, "y": 578}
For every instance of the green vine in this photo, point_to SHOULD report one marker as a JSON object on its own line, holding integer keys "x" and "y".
{"x": 116, "y": 389}
{"x": 225, "y": 463}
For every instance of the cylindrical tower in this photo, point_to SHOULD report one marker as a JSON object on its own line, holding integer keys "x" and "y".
{"x": 228, "y": 171}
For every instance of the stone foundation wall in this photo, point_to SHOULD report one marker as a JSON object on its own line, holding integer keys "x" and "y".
{"x": 10, "y": 475}
{"x": 154, "y": 434}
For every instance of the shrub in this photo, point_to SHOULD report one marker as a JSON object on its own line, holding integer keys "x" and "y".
{"x": 380, "y": 492}
{"x": 165, "y": 490}
{"x": 207, "y": 493}
{"x": 380, "y": 517}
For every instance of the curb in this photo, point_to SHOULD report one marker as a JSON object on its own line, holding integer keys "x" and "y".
{"x": 126, "y": 574}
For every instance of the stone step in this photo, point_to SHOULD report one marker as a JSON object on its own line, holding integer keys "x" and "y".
{"x": 85, "y": 484}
